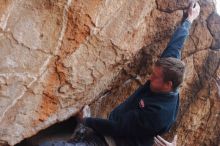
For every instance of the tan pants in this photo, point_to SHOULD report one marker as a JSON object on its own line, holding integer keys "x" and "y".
{"x": 110, "y": 141}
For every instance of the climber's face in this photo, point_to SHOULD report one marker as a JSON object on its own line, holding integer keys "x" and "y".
{"x": 157, "y": 83}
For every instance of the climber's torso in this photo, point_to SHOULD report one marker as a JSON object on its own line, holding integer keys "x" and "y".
{"x": 163, "y": 106}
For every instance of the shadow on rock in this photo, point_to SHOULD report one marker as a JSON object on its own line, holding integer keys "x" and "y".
{"x": 82, "y": 136}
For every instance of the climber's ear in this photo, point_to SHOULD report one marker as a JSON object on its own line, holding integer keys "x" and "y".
{"x": 169, "y": 85}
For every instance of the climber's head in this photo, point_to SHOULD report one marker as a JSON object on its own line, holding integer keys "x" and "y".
{"x": 167, "y": 75}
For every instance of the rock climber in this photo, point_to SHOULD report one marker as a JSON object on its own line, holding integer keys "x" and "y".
{"x": 152, "y": 109}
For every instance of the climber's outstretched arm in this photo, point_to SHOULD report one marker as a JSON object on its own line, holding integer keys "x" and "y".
{"x": 134, "y": 123}
{"x": 176, "y": 43}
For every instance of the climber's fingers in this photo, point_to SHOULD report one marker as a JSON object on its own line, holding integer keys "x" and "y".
{"x": 196, "y": 6}
{"x": 158, "y": 142}
{"x": 192, "y": 4}
{"x": 86, "y": 111}
{"x": 163, "y": 140}
{"x": 193, "y": 11}
{"x": 196, "y": 9}
{"x": 175, "y": 139}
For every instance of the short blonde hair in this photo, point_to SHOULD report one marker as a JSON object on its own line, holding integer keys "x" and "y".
{"x": 173, "y": 70}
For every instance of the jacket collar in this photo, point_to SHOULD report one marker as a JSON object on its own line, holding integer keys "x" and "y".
{"x": 170, "y": 94}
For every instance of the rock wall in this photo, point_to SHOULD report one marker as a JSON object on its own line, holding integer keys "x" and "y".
{"x": 59, "y": 55}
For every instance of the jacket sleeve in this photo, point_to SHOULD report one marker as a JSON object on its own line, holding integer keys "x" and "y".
{"x": 176, "y": 43}
{"x": 126, "y": 105}
{"x": 134, "y": 123}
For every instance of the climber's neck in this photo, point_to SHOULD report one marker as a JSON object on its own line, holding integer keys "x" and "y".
{"x": 162, "y": 90}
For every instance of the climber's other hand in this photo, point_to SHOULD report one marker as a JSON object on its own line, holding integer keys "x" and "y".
{"x": 159, "y": 141}
{"x": 79, "y": 116}
{"x": 85, "y": 112}
{"x": 193, "y": 11}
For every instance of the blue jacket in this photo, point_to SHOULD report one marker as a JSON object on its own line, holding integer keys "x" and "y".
{"x": 144, "y": 114}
